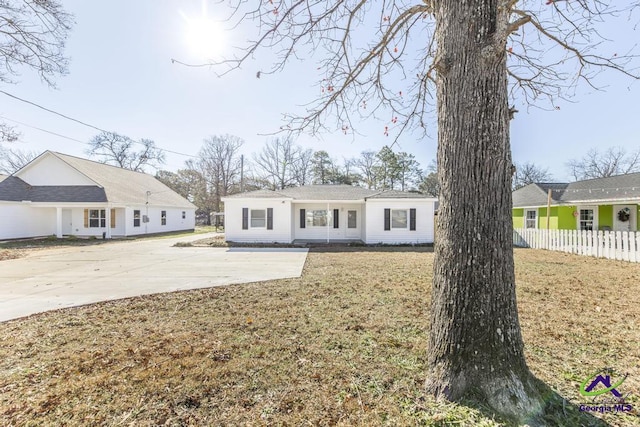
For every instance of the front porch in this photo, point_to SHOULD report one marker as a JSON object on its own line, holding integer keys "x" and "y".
{"x": 330, "y": 222}
{"x": 93, "y": 221}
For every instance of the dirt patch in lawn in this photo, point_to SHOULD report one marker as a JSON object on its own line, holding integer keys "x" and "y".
{"x": 345, "y": 344}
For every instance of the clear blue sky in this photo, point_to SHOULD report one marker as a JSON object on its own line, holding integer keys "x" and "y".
{"x": 121, "y": 78}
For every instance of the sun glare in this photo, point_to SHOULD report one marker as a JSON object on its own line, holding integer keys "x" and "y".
{"x": 204, "y": 37}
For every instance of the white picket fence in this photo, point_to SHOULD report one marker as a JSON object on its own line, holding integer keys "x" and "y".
{"x": 620, "y": 245}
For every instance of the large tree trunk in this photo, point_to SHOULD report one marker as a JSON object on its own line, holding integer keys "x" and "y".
{"x": 476, "y": 348}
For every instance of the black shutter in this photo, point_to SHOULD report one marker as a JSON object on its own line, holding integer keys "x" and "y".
{"x": 412, "y": 219}
{"x": 336, "y": 221}
{"x": 302, "y": 218}
{"x": 245, "y": 218}
{"x": 270, "y": 218}
{"x": 387, "y": 219}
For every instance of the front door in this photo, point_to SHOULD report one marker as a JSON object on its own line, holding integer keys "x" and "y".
{"x": 67, "y": 222}
{"x": 353, "y": 224}
{"x": 624, "y": 218}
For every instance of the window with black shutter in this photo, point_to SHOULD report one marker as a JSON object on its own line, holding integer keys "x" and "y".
{"x": 245, "y": 218}
{"x": 269, "y": 218}
{"x": 412, "y": 219}
{"x": 387, "y": 219}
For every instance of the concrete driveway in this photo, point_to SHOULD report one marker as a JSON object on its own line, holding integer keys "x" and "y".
{"x": 66, "y": 277}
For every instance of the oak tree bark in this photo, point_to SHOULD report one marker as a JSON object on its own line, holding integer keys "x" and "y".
{"x": 475, "y": 345}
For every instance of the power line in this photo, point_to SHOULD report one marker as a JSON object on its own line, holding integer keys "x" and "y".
{"x": 51, "y": 111}
{"x": 77, "y": 121}
{"x": 43, "y": 130}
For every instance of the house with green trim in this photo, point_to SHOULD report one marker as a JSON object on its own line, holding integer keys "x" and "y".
{"x": 611, "y": 203}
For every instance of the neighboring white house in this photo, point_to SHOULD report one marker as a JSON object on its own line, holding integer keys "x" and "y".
{"x": 329, "y": 213}
{"x": 58, "y": 194}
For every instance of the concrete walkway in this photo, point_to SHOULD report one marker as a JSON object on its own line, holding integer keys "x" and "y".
{"x": 66, "y": 277}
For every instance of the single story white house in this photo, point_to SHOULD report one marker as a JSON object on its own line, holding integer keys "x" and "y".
{"x": 329, "y": 213}
{"x": 58, "y": 194}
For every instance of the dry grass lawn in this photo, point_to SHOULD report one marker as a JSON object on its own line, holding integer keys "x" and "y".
{"x": 344, "y": 344}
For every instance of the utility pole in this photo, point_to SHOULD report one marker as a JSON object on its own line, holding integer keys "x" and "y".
{"x": 242, "y": 173}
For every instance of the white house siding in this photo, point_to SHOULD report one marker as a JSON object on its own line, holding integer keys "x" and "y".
{"x": 281, "y": 232}
{"x": 375, "y": 232}
{"x": 327, "y": 232}
{"x": 175, "y": 222}
{"x": 50, "y": 170}
{"x": 18, "y": 220}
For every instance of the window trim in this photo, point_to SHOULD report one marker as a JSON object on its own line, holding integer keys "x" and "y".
{"x": 594, "y": 221}
{"x": 406, "y": 217}
{"x": 264, "y": 211}
{"x": 312, "y": 217}
{"x": 101, "y": 218}
{"x": 535, "y": 225}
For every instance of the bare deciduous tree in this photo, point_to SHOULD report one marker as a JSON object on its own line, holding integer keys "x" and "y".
{"x": 13, "y": 159}
{"x": 596, "y": 164}
{"x": 528, "y": 173}
{"x": 120, "y": 150}
{"x": 32, "y": 36}
{"x": 302, "y": 167}
{"x": 8, "y": 133}
{"x": 460, "y": 54}
{"x": 366, "y": 165}
{"x": 275, "y": 162}
{"x": 219, "y": 163}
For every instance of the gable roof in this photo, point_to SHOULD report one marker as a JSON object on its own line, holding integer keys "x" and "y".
{"x": 598, "y": 190}
{"x": 16, "y": 190}
{"x": 324, "y": 192}
{"x": 120, "y": 186}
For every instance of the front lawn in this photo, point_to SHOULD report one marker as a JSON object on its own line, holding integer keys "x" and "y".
{"x": 344, "y": 344}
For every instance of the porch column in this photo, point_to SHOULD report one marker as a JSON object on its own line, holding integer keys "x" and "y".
{"x": 108, "y": 222}
{"x": 328, "y": 221}
{"x": 59, "y": 222}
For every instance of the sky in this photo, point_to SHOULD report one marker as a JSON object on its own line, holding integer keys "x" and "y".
{"x": 121, "y": 78}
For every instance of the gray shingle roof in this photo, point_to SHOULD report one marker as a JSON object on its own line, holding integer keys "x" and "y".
{"x": 328, "y": 192}
{"x": 124, "y": 186}
{"x": 16, "y": 190}
{"x": 620, "y": 187}
{"x": 396, "y": 194}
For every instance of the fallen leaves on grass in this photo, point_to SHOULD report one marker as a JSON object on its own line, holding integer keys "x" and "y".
{"x": 345, "y": 344}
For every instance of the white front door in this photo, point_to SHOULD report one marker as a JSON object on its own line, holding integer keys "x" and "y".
{"x": 353, "y": 224}
{"x": 624, "y": 217}
{"x": 67, "y": 222}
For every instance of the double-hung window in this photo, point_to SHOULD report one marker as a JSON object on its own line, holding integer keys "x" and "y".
{"x": 97, "y": 218}
{"x": 317, "y": 218}
{"x": 399, "y": 218}
{"x": 258, "y": 218}
{"x": 163, "y": 217}
{"x": 586, "y": 219}
{"x": 136, "y": 218}
{"x": 530, "y": 219}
